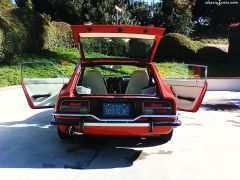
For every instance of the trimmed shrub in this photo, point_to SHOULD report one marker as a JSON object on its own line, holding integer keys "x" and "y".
{"x": 99, "y": 45}
{"x": 23, "y": 31}
{"x": 209, "y": 54}
{"x": 112, "y": 47}
{"x": 59, "y": 35}
{"x": 234, "y": 40}
{"x": 7, "y": 50}
{"x": 117, "y": 47}
{"x": 1, "y": 45}
{"x": 138, "y": 48}
{"x": 176, "y": 47}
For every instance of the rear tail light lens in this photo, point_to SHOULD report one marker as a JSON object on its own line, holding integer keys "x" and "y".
{"x": 157, "y": 108}
{"x": 75, "y": 107}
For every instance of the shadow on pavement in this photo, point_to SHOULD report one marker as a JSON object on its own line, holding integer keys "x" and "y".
{"x": 33, "y": 143}
{"x": 220, "y": 105}
{"x": 234, "y": 122}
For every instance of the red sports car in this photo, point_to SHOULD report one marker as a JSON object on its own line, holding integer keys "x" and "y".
{"x": 116, "y": 89}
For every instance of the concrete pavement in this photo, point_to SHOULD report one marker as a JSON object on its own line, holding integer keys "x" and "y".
{"x": 206, "y": 146}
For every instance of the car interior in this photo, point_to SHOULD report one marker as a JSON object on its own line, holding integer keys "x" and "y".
{"x": 93, "y": 82}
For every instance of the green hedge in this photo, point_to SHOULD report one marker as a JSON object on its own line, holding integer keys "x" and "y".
{"x": 209, "y": 54}
{"x": 138, "y": 48}
{"x": 2, "y": 55}
{"x": 59, "y": 35}
{"x": 176, "y": 47}
{"x": 117, "y": 47}
{"x": 113, "y": 47}
{"x": 22, "y": 30}
{"x": 134, "y": 48}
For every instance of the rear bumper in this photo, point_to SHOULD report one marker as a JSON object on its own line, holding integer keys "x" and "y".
{"x": 114, "y": 124}
{"x": 173, "y": 121}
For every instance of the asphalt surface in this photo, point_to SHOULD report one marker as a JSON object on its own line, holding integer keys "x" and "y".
{"x": 206, "y": 146}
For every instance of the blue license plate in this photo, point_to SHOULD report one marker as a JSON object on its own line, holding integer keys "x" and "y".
{"x": 116, "y": 109}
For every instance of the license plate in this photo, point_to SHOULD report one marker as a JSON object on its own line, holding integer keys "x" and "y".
{"x": 116, "y": 109}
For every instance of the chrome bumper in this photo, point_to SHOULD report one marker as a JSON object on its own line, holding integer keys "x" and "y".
{"x": 116, "y": 122}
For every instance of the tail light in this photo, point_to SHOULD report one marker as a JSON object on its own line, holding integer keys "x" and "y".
{"x": 163, "y": 107}
{"x": 75, "y": 107}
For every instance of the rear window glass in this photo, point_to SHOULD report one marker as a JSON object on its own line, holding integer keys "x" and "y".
{"x": 117, "y": 47}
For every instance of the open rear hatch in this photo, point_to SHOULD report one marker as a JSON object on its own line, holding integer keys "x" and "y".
{"x": 129, "y": 36}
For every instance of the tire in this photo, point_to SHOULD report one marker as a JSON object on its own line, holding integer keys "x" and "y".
{"x": 163, "y": 138}
{"x": 64, "y": 136}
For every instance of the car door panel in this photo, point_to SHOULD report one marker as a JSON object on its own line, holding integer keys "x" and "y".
{"x": 189, "y": 92}
{"x": 41, "y": 92}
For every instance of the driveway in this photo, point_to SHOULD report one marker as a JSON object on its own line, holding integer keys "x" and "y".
{"x": 206, "y": 146}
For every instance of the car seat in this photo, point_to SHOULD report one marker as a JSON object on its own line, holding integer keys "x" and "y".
{"x": 137, "y": 82}
{"x": 94, "y": 80}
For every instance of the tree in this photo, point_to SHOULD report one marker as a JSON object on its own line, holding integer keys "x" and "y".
{"x": 215, "y": 18}
{"x": 177, "y": 15}
{"x": 45, "y": 6}
{"x": 21, "y": 3}
{"x": 126, "y": 17}
{"x": 80, "y": 11}
{"x": 70, "y": 11}
{"x": 158, "y": 19}
{"x": 24, "y": 3}
{"x": 5, "y": 4}
{"x": 141, "y": 12}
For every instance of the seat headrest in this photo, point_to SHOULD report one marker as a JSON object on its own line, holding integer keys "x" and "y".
{"x": 94, "y": 80}
{"x": 137, "y": 82}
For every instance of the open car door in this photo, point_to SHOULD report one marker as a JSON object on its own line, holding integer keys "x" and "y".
{"x": 41, "y": 83}
{"x": 188, "y": 83}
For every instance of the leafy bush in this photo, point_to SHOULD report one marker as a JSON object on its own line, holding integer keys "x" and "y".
{"x": 23, "y": 30}
{"x": 176, "y": 47}
{"x": 138, "y": 48}
{"x": 7, "y": 50}
{"x": 113, "y": 47}
{"x": 211, "y": 54}
{"x": 1, "y": 45}
{"x": 234, "y": 40}
{"x": 99, "y": 45}
{"x": 117, "y": 47}
{"x": 59, "y": 35}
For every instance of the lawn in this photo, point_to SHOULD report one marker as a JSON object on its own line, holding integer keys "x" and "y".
{"x": 11, "y": 75}
{"x": 206, "y": 41}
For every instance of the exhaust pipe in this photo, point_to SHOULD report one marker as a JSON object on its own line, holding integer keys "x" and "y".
{"x": 72, "y": 132}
